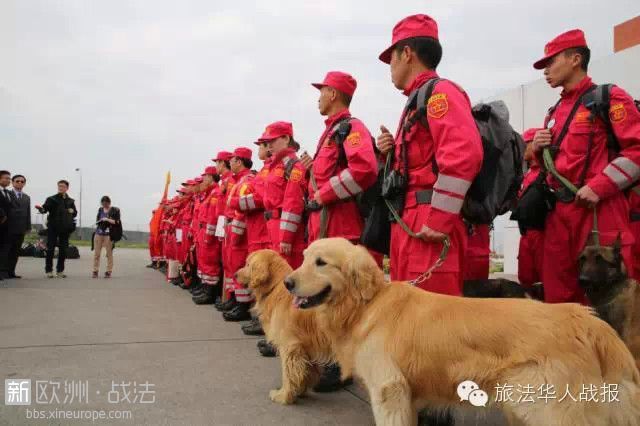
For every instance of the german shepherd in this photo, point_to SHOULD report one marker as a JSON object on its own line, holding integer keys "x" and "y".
{"x": 614, "y": 296}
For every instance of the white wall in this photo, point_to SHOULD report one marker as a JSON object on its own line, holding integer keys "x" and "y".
{"x": 529, "y": 103}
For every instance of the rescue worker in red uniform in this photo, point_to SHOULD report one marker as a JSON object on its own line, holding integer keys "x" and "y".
{"x": 634, "y": 217}
{"x": 531, "y": 250}
{"x": 241, "y": 167}
{"x": 477, "y": 257}
{"x": 601, "y": 180}
{"x": 285, "y": 193}
{"x": 336, "y": 182}
{"x": 207, "y": 251}
{"x": 452, "y": 143}
{"x": 249, "y": 200}
{"x": 186, "y": 220}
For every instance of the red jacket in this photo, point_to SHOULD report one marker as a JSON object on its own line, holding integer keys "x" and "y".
{"x": 211, "y": 214}
{"x": 604, "y": 177}
{"x": 453, "y": 139}
{"x": 249, "y": 200}
{"x": 238, "y": 222}
{"x": 285, "y": 198}
{"x": 338, "y": 183}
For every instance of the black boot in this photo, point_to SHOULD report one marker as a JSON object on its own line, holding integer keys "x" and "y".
{"x": 196, "y": 288}
{"x": 254, "y": 328}
{"x": 266, "y": 349}
{"x": 330, "y": 380}
{"x": 228, "y": 305}
{"x": 441, "y": 417}
{"x": 175, "y": 281}
{"x": 239, "y": 313}
{"x": 206, "y": 297}
{"x": 153, "y": 265}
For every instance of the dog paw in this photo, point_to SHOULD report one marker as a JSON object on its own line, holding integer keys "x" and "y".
{"x": 281, "y": 397}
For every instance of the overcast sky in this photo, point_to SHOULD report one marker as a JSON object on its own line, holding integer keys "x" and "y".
{"x": 126, "y": 90}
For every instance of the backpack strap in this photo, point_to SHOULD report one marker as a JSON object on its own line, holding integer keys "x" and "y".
{"x": 340, "y": 132}
{"x": 288, "y": 168}
{"x": 598, "y": 102}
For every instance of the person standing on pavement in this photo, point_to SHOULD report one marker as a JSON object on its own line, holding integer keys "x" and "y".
{"x": 107, "y": 221}
{"x": 582, "y": 155}
{"x": 61, "y": 211}
{"x": 6, "y": 204}
{"x": 19, "y": 222}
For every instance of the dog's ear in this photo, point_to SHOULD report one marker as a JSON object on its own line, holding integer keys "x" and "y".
{"x": 363, "y": 273}
{"x": 617, "y": 244}
{"x": 259, "y": 270}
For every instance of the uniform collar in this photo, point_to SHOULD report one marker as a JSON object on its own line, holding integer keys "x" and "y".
{"x": 282, "y": 154}
{"x": 337, "y": 117}
{"x": 242, "y": 174}
{"x": 420, "y": 79}
{"x": 580, "y": 88}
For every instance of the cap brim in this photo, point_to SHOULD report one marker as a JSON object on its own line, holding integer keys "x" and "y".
{"x": 542, "y": 63}
{"x": 386, "y": 55}
{"x": 318, "y": 85}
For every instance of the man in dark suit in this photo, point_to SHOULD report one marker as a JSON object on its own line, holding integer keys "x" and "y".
{"x": 19, "y": 221}
{"x": 6, "y": 203}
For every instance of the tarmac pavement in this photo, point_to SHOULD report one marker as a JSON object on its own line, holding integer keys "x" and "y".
{"x": 139, "y": 350}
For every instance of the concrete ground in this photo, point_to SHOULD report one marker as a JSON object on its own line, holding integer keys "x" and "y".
{"x": 172, "y": 362}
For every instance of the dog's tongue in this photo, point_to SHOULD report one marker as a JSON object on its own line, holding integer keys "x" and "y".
{"x": 297, "y": 301}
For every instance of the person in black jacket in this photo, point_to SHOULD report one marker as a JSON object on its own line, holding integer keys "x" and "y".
{"x": 60, "y": 224}
{"x": 19, "y": 221}
{"x": 6, "y": 201}
{"x": 108, "y": 230}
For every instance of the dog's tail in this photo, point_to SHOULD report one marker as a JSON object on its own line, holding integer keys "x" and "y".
{"x": 620, "y": 375}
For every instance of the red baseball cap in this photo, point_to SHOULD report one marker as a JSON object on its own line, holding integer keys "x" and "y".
{"x": 276, "y": 130}
{"x": 242, "y": 153}
{"x": 340, "y": 81}
{"x": 210, "y": 170}
{"x": 181, "y": 191}
{"x": 573, "y": 38}
{"x": 409, "y": 27}
{"x": 528, "y": 134}
{"x": 189, "y": 182}
{"x": 259, "y": 142}
{"x": 223, "y": 156}
{"x": 198, "y": 179}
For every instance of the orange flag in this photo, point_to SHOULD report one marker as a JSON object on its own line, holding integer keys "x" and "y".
{"x": 156, "y": 219}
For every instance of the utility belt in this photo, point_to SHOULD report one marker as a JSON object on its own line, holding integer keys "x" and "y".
{"x": 272, "y": 214}
{"x": 415, "y": 198}
{"x": 634, "y": 216}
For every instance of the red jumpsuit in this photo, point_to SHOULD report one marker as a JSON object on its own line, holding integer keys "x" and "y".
{"x": 207, "y": 246}
{"x": 339, "y": 184}
{"x": 454, "y": 141}
{"x": 237, "y": 238}
{"x": 634, "y": 201}
{"x": 476, "y": 261}
{"x": 284, "y": 204}
{"x": 226, "y": 182}
{"x": 531, "y": 249}
{"x": 568, "y": 226}
{"x": 185, "y": 223}
{"x": 250, "y": 201}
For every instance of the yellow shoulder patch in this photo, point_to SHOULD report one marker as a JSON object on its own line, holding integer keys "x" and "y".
{"x": 437, "y": 105}
{"x": 296, "y": 175}
{"x": 617, "y": 113}
{"x": 354, "y": 139}
{"x": 279, "y": 172}
{"x": 213, "y": 200}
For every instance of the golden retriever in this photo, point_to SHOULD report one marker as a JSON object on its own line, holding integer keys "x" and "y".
{"x": 301, "y": 345}
{"x": 412, "y": 348}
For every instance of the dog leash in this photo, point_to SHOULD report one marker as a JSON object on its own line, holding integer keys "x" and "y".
{"x": 551, "y": 168}
{"x": 446, "y": 244}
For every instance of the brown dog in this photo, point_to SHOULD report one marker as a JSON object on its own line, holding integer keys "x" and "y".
{"x": 614, "y": 296}
{"x": 411, "y": 347}
{"x": 302, "y": 346}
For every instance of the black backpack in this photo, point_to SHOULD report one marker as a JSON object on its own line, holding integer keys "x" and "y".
{"x": 598, "y": 101}
{"x": 369, "y": 196}
{"x": 494, "y": 190}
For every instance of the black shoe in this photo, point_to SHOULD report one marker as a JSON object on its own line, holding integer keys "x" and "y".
{"x": 330, "y": 380}
{"x": 266, "y": 349}
{"x": 14, "y": 277}
{"x": 254, "y": 328}
{"x": 239, "y": 313}
{"x": 175, "y": 281}
{"x": 206, "y": 297}
{"x": 151, "y": 265}
{"x": 228, "y": 305}
{"x": 196, "y": 289}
